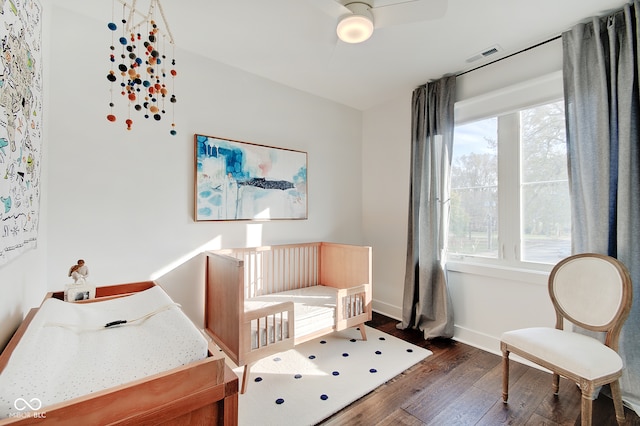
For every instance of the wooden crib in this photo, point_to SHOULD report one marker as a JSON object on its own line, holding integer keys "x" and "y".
{"x": 257, "y": 297}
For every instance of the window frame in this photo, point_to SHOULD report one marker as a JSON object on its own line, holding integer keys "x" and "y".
{"x": 505, "y": 104}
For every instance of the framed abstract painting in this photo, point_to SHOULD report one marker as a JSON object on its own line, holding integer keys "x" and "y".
{"x": 245, "y": 181}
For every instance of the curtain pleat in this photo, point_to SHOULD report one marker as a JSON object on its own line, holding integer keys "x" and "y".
{"x": 601, "y": 102}
{"x": 426, "y": 302}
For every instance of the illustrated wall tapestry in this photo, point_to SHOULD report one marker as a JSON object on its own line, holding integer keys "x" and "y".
{"x": 244, "y": 181}
{"x": 20, "y": 126}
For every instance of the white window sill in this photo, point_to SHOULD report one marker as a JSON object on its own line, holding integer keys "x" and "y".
{"x": 520, "y": 274}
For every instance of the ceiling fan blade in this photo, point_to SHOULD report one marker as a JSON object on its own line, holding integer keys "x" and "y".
{"x": 330, "y": 7}
{"x": 408, "y": 12}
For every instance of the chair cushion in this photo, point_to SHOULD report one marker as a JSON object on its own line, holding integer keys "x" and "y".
{"x": 573, "y": 352}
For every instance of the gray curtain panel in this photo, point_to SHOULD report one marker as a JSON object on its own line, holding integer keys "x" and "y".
{"x": 601, "y": 101}
{"x": 426, "y": 302}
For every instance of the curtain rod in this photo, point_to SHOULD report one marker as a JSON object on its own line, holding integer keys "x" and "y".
{"x": 513, "y": 54}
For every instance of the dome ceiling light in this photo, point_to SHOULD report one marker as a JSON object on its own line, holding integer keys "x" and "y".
{"x": 357, "y": 26}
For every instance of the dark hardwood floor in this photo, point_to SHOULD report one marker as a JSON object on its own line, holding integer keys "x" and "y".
{"x": 462, "y": 385}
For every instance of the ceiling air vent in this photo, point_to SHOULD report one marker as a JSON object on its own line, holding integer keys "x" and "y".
{"x": 485, "y": 53}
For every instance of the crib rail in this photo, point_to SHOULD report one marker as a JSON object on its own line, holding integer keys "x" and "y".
{"x": 273, "y": 269}
{"x": 354, "y": 306}
{"x": 268, "y": 327}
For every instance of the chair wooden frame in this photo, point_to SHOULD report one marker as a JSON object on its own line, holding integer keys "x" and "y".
{"x": 611, "y": 329}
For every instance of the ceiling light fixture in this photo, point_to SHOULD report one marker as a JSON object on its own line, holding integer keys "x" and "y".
{"x": 358, "y": 26}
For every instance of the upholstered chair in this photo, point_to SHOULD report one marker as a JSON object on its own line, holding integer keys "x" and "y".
{"x": 591, "y": 291}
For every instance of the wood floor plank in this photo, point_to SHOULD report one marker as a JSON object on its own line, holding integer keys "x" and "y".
{"x": 537, "y": 420}
{"x": 476, "y": 403}
{"x": 400, "y": 417}
{"x": 492, "y": 381}
{"x": 564, "y": 408}
{"x": 427, "y": 404}
{"x": 524, "y": 398}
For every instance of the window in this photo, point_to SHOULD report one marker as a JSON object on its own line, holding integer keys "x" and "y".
{"x": 509, "y": 187}
{"x": 544, "y": 185}
{"x": 473, "y": 219}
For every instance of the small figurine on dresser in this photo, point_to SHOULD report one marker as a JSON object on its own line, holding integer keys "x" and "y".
{"x": 79, "y": 272}
{"x": 79, "y": 289}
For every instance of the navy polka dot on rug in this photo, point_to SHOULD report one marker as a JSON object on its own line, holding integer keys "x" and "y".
{"x": 279, "y": 401}
{"x": 378, "y": 352}
{"x": 345, "y": 354}
{"x": 298, "y": 376}
{"x": 324, "y": 397}
{"x": 323, "y": 342}
{"x": 312, "y": 357}
{"x": 409, "y": 350}
{"x": 336, "y": 373}
{"x": 373, "y": 370}
{"x": 381, "y": 338}
{"x": 353, "y": 340}
{"x": 257, "y": 379}
{"x": 276, "y": 359}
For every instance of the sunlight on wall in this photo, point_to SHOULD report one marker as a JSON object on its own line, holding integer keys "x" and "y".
{"x": 253, "y": 239}
{"x": 264, "y": 214}
{"x": 214, "y": 244}
{"x": 254, "y": 235}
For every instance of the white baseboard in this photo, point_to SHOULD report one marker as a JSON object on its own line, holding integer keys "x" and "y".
{"x": 487, "y": 343}
{"x": 387, "y": 309}
{"x": 477, "y": 339}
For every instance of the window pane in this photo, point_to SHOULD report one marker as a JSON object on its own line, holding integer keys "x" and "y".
{"x": 546, "y": 215}
{"x": 473, "y": 223}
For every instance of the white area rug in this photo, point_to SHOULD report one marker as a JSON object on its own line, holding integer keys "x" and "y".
{"x": 305, "y": 385}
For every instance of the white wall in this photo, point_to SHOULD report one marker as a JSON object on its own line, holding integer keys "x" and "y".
{"x": 123, "y": 200}
{"x": 386, "y": 154}
{"x": 486, "y": 301}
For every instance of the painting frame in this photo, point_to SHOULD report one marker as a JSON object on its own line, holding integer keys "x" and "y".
{"x": 245, "y": 181}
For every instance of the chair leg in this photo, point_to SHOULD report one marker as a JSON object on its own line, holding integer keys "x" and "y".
{"x": 586, "y": 410}
{"x": 555, "y": 383}
{"x": 616, "y": 395}
{"x": 245, "y": 378}
{"x": 363, "y": 332}
{"x": 505, "y": 376}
